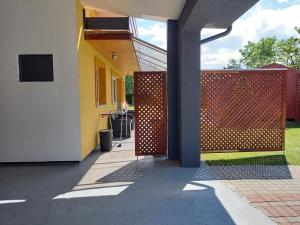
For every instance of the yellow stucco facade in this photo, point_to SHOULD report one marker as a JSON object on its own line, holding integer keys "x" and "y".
{"x": 91, "y": 120}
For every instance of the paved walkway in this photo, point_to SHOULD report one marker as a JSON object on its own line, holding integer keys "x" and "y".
{"x": 115, "y": 189}
{"x": 277, "y": 196}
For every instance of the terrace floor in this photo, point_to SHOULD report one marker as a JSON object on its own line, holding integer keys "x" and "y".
{"x": 277, "y": 198}
{"x": 114, "y": 189}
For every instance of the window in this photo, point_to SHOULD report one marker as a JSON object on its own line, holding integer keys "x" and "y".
{"x": 35, "y": 68}
{"x": 114, "y": 90}
{"x": 100, "y": 86}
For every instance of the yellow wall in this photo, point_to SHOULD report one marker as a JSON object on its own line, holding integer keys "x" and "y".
{"x": 121, "y": 90}
{"x": 90, "y": 119}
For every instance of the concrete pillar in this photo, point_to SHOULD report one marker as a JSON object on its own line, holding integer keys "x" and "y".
{"x": 184, "y": 87}
{"x": 172, "y": 85}
{"x": 189, "y": 98}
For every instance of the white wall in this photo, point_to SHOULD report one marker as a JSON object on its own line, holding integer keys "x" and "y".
{"x": 39, "y": 121}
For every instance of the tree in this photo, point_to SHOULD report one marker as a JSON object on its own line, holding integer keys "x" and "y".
{"x": 129, "y": 89}
{"x": 256, "y": 55}
{"x": 129, "y": 84}
{"x": 234, "y": 64}
{"x": 297, "y": 60}
{"x": 288, "y": 52}
{"x": 270, "y": 50}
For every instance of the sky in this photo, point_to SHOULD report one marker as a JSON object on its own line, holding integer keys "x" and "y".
{"x": 267, "y": 18}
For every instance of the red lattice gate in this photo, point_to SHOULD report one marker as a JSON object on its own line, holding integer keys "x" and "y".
{"x": 243, "y": 110}
{"x": 150, "y": 105}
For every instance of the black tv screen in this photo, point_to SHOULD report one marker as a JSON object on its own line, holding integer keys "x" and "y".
{"x": 36, "y": 68}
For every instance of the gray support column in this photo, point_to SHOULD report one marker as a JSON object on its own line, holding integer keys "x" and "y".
{"x": 172, "y": 79}
{"x": 189, "y": 98}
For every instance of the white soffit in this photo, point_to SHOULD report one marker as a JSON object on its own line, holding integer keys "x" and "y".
{"x": 160, "y": 10}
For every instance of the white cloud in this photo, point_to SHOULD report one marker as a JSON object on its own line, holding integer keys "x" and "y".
{"x": 263, "y": 22}
{"x": 258, "y": 23}
{"x": 282, "y": 1}
{"x": 217, "y": 59}
{"x": 156, "y": 34}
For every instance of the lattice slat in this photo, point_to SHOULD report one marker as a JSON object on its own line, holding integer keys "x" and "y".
{"x": 150, "y": 105}
{"x": 242, "y": 110}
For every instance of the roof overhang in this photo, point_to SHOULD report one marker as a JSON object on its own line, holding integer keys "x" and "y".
{"x": 216, "y": 14}
{"x": 205, "y": 13}
{"x": 125, "y": 61}
{"x": 160, "y": 10}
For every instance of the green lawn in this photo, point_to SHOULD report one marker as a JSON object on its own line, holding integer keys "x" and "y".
{"x": 291, "y": 155}
{"x": 131, "y": 107}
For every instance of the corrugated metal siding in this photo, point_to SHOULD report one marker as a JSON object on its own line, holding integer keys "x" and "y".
{"x": 291, "y": 89}
{"x": 298, "y": 99}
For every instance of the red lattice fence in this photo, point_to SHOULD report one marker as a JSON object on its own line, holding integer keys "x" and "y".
{"x": 150, "y": 105}
{"x": 243, "y": 110}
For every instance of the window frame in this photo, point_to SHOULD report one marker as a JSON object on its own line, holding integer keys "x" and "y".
{"x": 97, "y": 86}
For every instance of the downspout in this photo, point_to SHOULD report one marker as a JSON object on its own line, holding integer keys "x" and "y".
{"x": 216, "y": 36}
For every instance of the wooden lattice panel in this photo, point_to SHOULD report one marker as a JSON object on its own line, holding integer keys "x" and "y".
{"x": 242, "y": 110}
{"x": 150, "y": 105}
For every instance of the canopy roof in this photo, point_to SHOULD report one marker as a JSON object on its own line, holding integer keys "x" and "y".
{"x": 150, "y": 57}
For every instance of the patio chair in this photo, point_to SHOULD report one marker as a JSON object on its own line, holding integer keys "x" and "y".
{"x": 130, "y": 117}
{"x": 126, "y": 122}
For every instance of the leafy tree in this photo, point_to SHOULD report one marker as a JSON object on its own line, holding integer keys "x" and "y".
{"x": 129, "y": 89}
{"x": 234, "y": 64}
{"x": 270, "y": 50}
{"x": 297, "y": 60}
{"x": 129, "y": 85}
{"x": 255, "y": 55}
{"x": 288, "y": 52}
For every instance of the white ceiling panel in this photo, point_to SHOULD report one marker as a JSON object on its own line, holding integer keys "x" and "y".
{"x": 146, "y": 9}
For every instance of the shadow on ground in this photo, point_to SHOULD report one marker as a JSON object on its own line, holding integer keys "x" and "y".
{"x": 128, "y": 173}
{"x": 42, "y": 180}
{"x": 155, "y": 196}
{"x": 292, "y": 125}
{"x": 241, "y": 172}
{"x": 268, "y": 160}
{"x": 156, "y": 192}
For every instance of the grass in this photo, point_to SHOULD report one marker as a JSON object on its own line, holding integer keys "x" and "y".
{"x": 291, "y": 155}
{"x": 131, "y": 107}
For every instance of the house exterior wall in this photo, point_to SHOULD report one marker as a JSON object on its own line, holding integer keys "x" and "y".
{"x": 91, "y": 120}
{"x": 49, "y": 121}
{"x": 39, "y": 121}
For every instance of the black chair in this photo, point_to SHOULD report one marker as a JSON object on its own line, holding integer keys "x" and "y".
{"x": 129, "y": 116}
{"x": 130, "y": 112}
{"x": 116, "y": 126}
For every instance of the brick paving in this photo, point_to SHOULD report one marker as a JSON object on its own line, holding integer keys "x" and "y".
{"x": 276, "y": 197}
